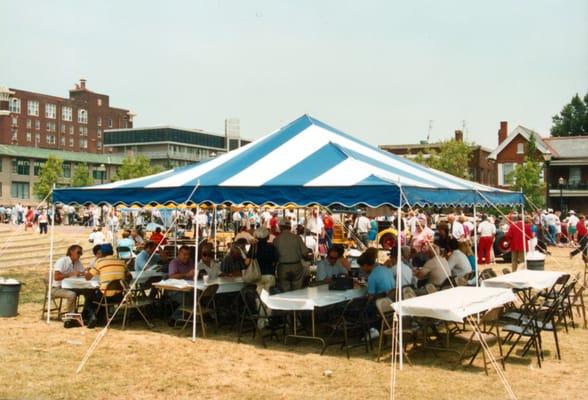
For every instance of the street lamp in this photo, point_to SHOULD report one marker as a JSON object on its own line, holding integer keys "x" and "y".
{"x": 561, "y": 181}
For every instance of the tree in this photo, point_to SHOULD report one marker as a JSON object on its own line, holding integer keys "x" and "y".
{"x": 81, "y": 176}
{"x": 572, "y": 119}
{"x": 50, "y": 173}
{"x": 135, "y": 167}
{"x": 526, "y": 177}
{"x": 452, "y": 157}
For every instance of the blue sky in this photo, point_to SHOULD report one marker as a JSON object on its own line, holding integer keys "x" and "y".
{"x": 377, "y": 69}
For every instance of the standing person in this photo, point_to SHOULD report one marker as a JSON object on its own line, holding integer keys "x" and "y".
{"x": 456, "y": 227}
{"x": 291, "y": 251}
{"x": 558, "y": 228}
{"x": 572, "y": 221}
{"x": 315, "y": 224}
{"x": 237, "y": 221}
{"x": 362, "y": 227}
{"x": 66, "y": 267}
{"x": 487, "y": 232}
{"x": 518, "y": 235}
{"x": 29, "y": 217}
{"x": 267, "y": 257}
{"x": 373, "y": 232}
{"x": 43, "y": 222}
{"x": 550, "y": 225}
{"x": 328, "y": 223}
{"x": 582, "y": 233}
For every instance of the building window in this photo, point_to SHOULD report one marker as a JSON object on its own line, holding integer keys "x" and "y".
{"x": 99, "y": 144}
{"x": 37, "y": 167}
{"x": 33, "y": 108}
{"x": 71, "y": 142}
{"x": 21, "y": 166}
{"x": 50, "y": 126}
{"x": 82, "y": 116}
{"x": 66, "y": 113}
{"x": 37, "y": 124}
{"x": 50, "y": 139}
{"x": 14, "y": 136}
{"x": 125, "y": 123}
{"x": 505, "y": 174}
{"x": 20, "y": 190}
{"x": 14, "y": 121}
{"x": 29, "y": 123}
{"x": 62, "y": 140}
{"x": 99, "y": 101}
{"x": 66, "y": 170}
{"x": 110, "y": 122}
{"x": 37, "y": 138}
{"x": 575, "y": 175}
{"x": 99, "y": 133}
{"x": 520, "y": 148}
{"x": 62, "y": 128}
{"x": 50, "y": 111}
{"x": 71, "y": 130}
{"x": 99, "y": 121}
{"x": 83, "y": 143}
{"x": 83, "y": 131}
{"x": 29, "y": 137}
{"x": 14, "y": 105}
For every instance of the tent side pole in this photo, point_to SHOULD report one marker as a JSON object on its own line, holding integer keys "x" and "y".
{"x": 214, "y": 221}
{"x": 476, "y": 246}
{"x": 50, "y": 284}
{"x": 399, "y": 281}
{"x": 196, "y": 242}
{"x": 524, "y": 233}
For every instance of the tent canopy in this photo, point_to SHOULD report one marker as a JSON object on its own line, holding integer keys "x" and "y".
{"x": 306, "y": 162}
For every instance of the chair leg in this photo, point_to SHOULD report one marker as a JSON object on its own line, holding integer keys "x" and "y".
{"x": 381, "y": 338}
{"x": 346, "y": 340}
{"x": 500, "y": 348}
{"x": 124, "y": 321}
{"x": 202, "y": 323}
{"x": 556, "y": 342}
{"x": 485, "y": 363}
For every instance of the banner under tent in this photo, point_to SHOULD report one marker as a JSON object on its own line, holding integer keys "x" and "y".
{"x": 307, "y": 162}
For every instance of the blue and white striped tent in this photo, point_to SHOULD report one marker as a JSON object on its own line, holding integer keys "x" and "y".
{"x": 306, "y": 162}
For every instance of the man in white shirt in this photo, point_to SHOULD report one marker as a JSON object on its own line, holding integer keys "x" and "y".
{"x": 458, "y": 263}
{"x": 237, "y": 221}
{"x": 362, "y": 227}
{"x": 315, "y": 224}
{"x": 392, "y": 263}
{"x": 487, "y": 232}
{"x": 572, "y": 220}
{"x": 67, "y": 266}
{"x": 456, "y": 227}
{"x": 551, "y": 227}
{"x": 97, "y": 236}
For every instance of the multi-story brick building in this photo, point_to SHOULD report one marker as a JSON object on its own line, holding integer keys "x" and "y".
{"x": 34, "y": 126}
{"x": 480, "y": 169}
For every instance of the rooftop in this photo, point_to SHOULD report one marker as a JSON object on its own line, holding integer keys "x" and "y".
{"x": 569, "y": 147}
{"x": 31, "y": 152}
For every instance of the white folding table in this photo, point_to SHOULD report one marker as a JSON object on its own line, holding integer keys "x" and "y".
{"x": 524, "y": 279}
{"x": 79, "y": 283}
{"x": 309, "y": 299}
{"x": 226, "y": 284}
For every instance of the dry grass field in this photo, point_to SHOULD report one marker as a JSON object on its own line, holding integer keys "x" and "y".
{"x": 38, "y": 361}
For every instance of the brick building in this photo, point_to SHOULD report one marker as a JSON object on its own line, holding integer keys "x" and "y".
{"x": 75, "y": 123}
{"x": 480, "y": 169}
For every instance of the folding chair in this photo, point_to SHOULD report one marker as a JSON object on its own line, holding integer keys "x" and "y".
{"x": 205, "y": 305}
{"x": 483, "y": 332}
{"x": 117, "y": 288}
{"x": 384, "y": 306}
{"x": 352, "y": 321}
{"x": 56, "y": 303}
{"x": 254, "y": 311}
{"x": 135, "y": 300}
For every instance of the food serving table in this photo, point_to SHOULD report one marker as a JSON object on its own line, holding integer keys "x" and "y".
{"x": 309, "y": 299}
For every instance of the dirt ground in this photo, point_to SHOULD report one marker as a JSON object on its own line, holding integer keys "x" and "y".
{"x": 39, "y": 360}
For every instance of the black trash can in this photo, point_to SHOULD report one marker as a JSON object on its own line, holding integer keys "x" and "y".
{"x": 9, "y": 294}
{"x": 536, "y": 265}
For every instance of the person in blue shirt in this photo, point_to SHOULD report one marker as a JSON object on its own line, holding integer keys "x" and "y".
{"x": 380, "y": 278}
{"x": 147, "y": 259}
{"x": 126, "y": 241}
{"x": 329, "y": 267}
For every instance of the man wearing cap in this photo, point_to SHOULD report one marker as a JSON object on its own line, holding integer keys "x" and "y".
{"x": 572, "y": 220}
{"x": 291, "y": 251}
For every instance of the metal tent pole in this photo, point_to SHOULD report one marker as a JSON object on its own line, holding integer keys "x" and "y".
{"x": 525, "y": 241}
{"x": 50, "y": 285}
{"x": 196, "y": 242}
{"x": 476, "y": 246}
{"x": 399, "y": 280}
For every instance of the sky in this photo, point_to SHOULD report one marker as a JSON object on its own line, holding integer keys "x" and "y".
{"x": 379, "y": 70}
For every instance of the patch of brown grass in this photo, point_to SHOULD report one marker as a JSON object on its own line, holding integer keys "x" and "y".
{"x": 38, "y": 361}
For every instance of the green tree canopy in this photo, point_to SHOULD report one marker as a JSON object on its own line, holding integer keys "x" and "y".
{"x": 572, "y": 119}
{"x": 135, "y": 167}
{"x": 81, "y": 176}
{"x": 452, "y": 157}
{"x": 50, "y": 173}
{"x": 526, "y": 177}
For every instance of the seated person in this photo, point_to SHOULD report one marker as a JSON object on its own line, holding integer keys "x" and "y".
{"x": 126, "y": 241}
{"x": 380, "y": 278}
{"x": 392, "y": 263}
{"x": 97, "y": 255}
{"x": 157, "y": 237}
{"x": 458, "y": 263}
{"x": 182, "y": 267}
{"x": 436, "y": 269}
{"x": 138, "y": 239}
{"x": 330, "y": 267}
{"x": 66, "y": 267}
{"x": 236, "y": 260}
{"x": 208, "y": 266}
{"x": 147, "y": 258}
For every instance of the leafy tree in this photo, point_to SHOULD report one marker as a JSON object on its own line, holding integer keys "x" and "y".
{"x": 81, "y": 176}
{"x": 452, "y": 157}
{"x": 572, "y": 119}
{"x": 50, "y": 173}
{"x": 136, "y": 167}
{"x": 526, "y": 177}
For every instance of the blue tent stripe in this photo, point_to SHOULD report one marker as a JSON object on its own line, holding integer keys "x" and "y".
{"x": 311, "y": 167}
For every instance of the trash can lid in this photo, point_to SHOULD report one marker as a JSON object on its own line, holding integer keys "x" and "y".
{"x": 8, "y": 281}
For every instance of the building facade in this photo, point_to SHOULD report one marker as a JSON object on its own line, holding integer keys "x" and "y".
{"x": 76, "y": 123}
{"x": 565, "y": 165}
{"x": 171, "y": 147}
{"x": 480, "y": 169}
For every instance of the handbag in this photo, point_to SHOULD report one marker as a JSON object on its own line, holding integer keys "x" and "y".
{"x": 252, "y": 272}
